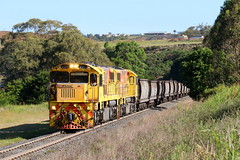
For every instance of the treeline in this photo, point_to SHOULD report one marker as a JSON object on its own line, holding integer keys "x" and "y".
{"x": 202, "y": 68}
{"x": 36, "y": 46}
{"x": 29, "y": 53}
{"x": 219, "y": 61}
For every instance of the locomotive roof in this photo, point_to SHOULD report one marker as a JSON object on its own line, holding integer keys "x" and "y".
{"x": 98, "y": 68}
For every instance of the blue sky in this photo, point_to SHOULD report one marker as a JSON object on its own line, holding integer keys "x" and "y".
{"x": 115, "y": 16}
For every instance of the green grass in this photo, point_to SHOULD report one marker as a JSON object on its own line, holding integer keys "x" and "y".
{"x": 210, "y": 130}
{"x": 21, "y": 122}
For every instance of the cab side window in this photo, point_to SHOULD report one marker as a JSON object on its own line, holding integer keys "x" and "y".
{"x": 131, "y": 80}
{"x": 93, "y": 79}
{"x": 112, "y": 76}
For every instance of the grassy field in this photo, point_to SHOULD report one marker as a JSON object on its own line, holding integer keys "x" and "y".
{"x": 164, "y": 42}
{"x": 21, "y": 122}
{"x": 209, "y": 130}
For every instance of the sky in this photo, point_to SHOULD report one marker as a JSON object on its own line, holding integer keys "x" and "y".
{"x": 115, "y": 16}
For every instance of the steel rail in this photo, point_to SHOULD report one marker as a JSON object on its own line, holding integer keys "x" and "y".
{"x": 28, "y": 143}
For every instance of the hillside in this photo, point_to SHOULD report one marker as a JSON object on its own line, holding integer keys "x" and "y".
{"x": 165, "y": 43}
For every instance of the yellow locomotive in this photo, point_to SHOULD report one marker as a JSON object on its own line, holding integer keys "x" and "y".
{"x": 83, "y": 95}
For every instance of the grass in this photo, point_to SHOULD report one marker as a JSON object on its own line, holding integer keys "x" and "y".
{"x": 210, "y": 130}
{"x": 137, "y": 139}
{"x": 193, "y": 130}
{"x": 21, "y": 122}
{"x": 145, "y": 43}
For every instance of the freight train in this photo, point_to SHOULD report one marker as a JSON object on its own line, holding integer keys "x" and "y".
{"x": 82, "y": 95}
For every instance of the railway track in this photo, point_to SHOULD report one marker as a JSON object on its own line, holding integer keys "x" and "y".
{"x": 24, "y": 149}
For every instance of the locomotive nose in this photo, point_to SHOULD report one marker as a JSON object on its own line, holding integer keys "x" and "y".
{"x": 70, "y": 117}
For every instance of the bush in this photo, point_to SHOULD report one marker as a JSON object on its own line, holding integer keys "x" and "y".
{"x": 36, "y": 88}
{"x": 33, "y": 89}
{"x": 6, "y": 98}
{"x": 196, "y": 69}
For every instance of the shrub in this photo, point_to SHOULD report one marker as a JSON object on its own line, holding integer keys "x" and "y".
{"x": 6, "y": 98}
{"x": 33, "y": 89}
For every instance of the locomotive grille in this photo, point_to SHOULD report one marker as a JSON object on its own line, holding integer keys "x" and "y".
{"x": 67, "y": 93}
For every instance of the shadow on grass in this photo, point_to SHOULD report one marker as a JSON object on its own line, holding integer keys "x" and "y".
{"x": 26, "y": 131}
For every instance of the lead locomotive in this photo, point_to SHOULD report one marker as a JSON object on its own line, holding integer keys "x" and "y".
{"x": 83, "y": 95}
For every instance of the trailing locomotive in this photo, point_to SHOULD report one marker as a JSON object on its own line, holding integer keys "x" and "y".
{"x": 83, "y": 95}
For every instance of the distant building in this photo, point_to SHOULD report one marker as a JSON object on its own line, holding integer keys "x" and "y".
{"x": 196, "y": 37}
{"x": 139, "y": 34}
{"x": 183, "y": 36}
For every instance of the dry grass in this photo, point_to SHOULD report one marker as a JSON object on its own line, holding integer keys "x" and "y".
{"x": 191, "y": 131}
{"x": 144, "y": 138}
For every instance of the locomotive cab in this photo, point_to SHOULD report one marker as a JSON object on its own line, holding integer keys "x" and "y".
{"x": 74, "y": 92}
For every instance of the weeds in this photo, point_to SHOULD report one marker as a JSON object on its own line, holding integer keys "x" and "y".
{"x": 215, "y": 126}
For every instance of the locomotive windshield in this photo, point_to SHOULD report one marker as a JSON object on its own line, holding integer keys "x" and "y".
{"x": 65, "y": 77}
{"x": 79, "y": 77}
{"x": 59, "y": 77}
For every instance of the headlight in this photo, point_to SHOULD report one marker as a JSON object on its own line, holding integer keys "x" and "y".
{"x": 73, "y": 66}
{"x": 53, "y": 108}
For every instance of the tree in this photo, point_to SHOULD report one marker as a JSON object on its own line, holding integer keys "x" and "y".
{"x": 200, "y": 30}
{"x": 25, "y": 56}
{"x": 27, "y": 53}
{"x": 70, "y": 46}
{"x": 160, "y": 63}
{"x": 176, "y": 57}
{"x": 37, "y": 26}
{"x": 128, "y": 55}
{"x": 21, "y": 58}
{"x": 224, "y": 36}
{"x": 196, "y": 69}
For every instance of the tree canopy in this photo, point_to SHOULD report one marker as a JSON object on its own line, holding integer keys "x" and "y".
{"x": 37, "y": 26}
{"x": 196, "y": 69}
{"x": 129, "y": 56}
{"x": 35, "y": 48}
{"x": 160, "y": 63}
{"x": 219, "y": 61}
{"x": 224, "y": 37}
{"x": 24, "y": 54}
{"x": 200, "y": 30}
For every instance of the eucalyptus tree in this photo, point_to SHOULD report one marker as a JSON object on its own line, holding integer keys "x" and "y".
{"x": 37, "y": 26}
